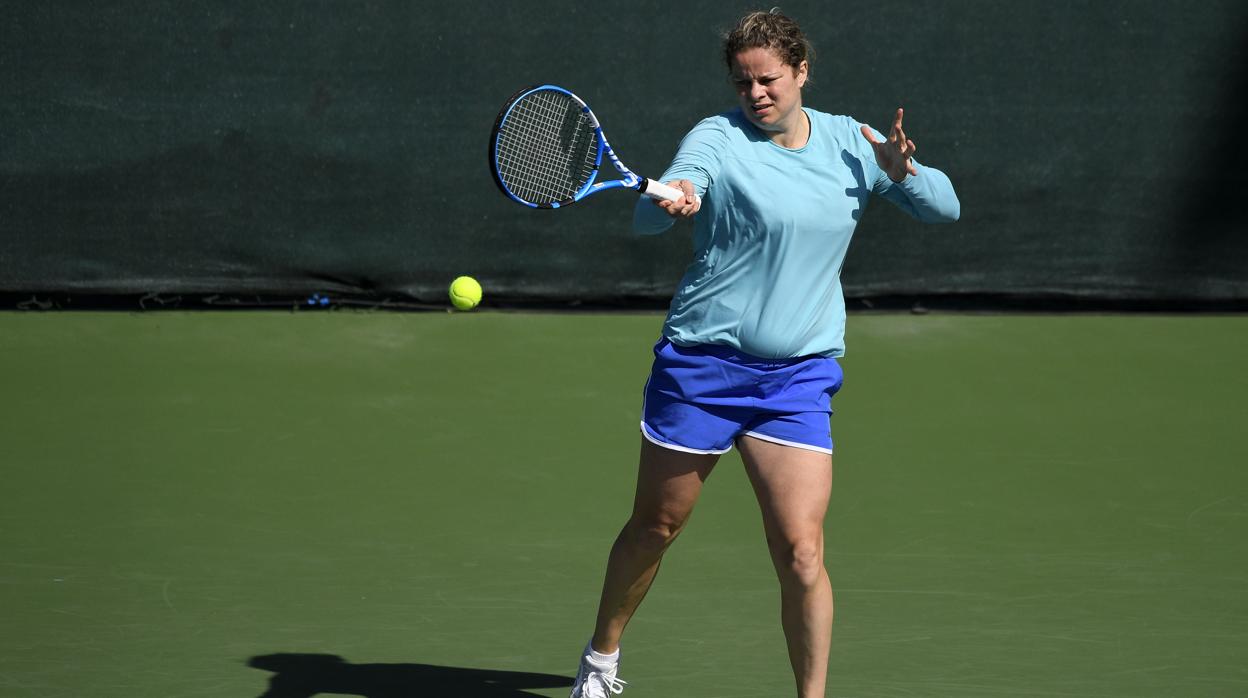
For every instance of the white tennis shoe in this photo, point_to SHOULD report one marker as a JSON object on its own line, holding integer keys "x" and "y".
{"x": 594, "y": 680}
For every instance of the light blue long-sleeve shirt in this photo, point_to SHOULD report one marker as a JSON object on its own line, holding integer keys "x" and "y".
{"x": 773, "y": 230}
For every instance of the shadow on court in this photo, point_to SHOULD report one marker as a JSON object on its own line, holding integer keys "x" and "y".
{"x": 306, "y": 675}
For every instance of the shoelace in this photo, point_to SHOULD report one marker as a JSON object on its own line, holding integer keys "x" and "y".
{"x": 607, "y": 682}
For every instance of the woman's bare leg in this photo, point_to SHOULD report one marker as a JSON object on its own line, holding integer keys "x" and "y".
{"x": 668, "y": 485}
{"x": 793, "y": 486}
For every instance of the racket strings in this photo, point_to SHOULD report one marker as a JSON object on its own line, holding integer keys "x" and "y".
{"x": 547, "y": 148}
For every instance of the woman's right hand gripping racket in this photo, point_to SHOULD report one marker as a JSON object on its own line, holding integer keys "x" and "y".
{"x": 547, "y": 146}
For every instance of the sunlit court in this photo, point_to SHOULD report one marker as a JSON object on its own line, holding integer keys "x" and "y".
{"x": 189, "y": 493}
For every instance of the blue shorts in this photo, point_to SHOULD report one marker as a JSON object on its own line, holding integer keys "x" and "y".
{"x": 699, "y": 399}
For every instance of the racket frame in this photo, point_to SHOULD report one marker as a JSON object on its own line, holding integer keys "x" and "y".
{"x": 630, "y": 180}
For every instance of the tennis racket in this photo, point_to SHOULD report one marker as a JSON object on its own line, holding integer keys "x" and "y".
{"x": 547, "y": 147}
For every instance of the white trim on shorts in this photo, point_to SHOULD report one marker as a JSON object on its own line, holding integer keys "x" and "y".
{"x": 782, "y": 442}
{"x": 645, "y": 431}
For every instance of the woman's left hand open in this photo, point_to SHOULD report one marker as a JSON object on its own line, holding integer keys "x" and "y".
{"x": 893, "y": 155}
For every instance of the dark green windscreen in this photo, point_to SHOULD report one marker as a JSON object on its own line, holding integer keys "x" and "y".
{"x": 287, "y": 147}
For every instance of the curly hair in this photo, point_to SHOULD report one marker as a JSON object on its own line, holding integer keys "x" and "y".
{"x": 770, "y": 30}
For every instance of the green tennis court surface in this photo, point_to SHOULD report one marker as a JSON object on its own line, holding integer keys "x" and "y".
{"x": 1024, "y": 506}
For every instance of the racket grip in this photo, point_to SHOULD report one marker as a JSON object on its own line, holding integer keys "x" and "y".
{"x": 659, "y": 190}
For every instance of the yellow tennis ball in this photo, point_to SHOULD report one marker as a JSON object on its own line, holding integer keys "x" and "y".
{"x": 465, "y": 293}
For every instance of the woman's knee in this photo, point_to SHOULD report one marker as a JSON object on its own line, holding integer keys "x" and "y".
{"x": 652, "y": 536}
{"x": 799, "y": 561}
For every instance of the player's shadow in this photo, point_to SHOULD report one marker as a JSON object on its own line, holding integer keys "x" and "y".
{"x": 306, "y": 675}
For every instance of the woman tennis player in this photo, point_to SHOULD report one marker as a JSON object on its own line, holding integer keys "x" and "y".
{"x": 748, "y": 350}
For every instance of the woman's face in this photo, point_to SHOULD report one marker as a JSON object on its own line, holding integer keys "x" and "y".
{"x": 769, "y": 91}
